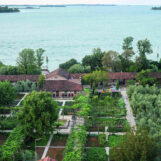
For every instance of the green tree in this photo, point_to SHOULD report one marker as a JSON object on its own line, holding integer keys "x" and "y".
{"x": 137, "y": 146}
{"x": 38, "y": 114}
{"x": 39, "y": 57}
{"x": 144, "y": 47}
{"x": 68, "y": 64}
{"x": 127, "y": 43}
{"x": 111, "y": 61}
{"x": 78, "y": 68}
{"x": 41, "y": 81}
{"x": 27, "y": 62}
{"x": 144, "y": 78}
{"x": 9, "y": 70}
{"x": 94, "y": 60}
{"x": 7, "y": 93}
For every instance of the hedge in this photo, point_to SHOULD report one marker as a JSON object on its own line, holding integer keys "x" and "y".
{"x": 75, "y": 145}
{"x": 12, "y": 144}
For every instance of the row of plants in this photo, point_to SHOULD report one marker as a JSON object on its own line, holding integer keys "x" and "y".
{"x": 146, "y": 105}
{"x": 13, "y": 144}
{"x": 75, "y": 144}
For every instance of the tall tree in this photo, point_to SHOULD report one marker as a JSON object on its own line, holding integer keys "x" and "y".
{"x": 144, "y": 47}
{"x": 68, "y": 64}
{"x": 38, "y": 114}
{"x": 39, "y": 57}
{"x": 94, "y": 60}
{"x": 41, "y": 81}
{"x": 111, "y": 61}
{"x": 127, "y": 43}
{"x": 27, "y": 62}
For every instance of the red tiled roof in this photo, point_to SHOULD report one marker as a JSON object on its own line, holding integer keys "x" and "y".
{"x": 122, "y": 75}
{"x": 60, "y": 72}
{"x": 15, "y": 78}
{"x": 47, "y": 159}
{"x": 77, "y": 75}
{"x": 61, "y": 85}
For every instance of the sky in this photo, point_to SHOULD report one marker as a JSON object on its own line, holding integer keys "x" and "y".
{"x": 120, "y": 2}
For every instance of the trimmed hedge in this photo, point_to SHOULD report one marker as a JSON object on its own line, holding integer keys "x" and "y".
{"x": 12, "y": 144}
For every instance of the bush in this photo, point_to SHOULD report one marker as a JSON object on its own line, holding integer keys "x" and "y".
{"x": 115, "y": 140}
{"x": 95, "y": 154}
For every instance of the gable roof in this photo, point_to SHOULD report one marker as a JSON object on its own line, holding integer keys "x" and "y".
{"x": 61, "y": 85}
{"x": 15, "y": 78}
{"x": 60, "y": 72}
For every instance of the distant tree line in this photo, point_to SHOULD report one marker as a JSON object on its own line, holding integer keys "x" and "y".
{"x": 114, "y": 62}
{"x": 7, "y": 9}
{"x": 28, "y": 62}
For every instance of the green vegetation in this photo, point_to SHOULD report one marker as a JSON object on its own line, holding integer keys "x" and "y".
{"x": 25, "y": 86}
{"x": 146, "y": 105}
{"x": 117, "y": 62}
{"x": 156, "y": 8}
{"x": 7, "y": 93}
{"x": 102, "y": 140}
{"x": 115, "y": 140}
{"x": 39, "y": 111}
{"x": 7, "y": 10}
{"x": 95, "y": 154}
{"x": 13, "y": 144}
{"x": 137, "y": 146}
{"x": 75, "y": 144}
{"x": 41, "y": 81}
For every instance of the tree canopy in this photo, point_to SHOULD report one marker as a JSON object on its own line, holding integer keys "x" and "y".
{"x": 38, "y": 114}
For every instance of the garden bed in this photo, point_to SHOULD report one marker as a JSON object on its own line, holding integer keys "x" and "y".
{"x": 69, "y": 103}
{"x": 56, "y": 153}
{"x": 115, "y": 140}
{"x": 59, "y": 140}
{"x": 40, "y": 151}
{"x": 95, "y": 154}
{"x": 92, "y": 141}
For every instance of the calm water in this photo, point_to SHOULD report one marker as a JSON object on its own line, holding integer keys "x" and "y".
{"x": 72, "y": 32}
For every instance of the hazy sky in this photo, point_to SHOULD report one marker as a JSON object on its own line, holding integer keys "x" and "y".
{"x": 130, "y": 2}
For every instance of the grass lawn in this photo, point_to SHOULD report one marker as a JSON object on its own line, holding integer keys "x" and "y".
{"x": 115, "y": 140}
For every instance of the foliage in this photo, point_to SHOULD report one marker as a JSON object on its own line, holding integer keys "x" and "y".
{"x": 39, "y": 111}
{"x": 115, "y": 140}
{"x": 68, "y": 64}
{"x": 102, "y": 140}
{"x": 127, "y": 43}
{"x": 6, "y": 9}
{"x": 144, "y": 78}
{"x": 137, "y": 146}
{"x": 111, "y": 61}
{"x": 25, "y": 86}
{"x": 78, "y": 68}
{"x": 7, "y": 93}
{"x": 94, "y": 60}
{"x": 9, "y": 70}
{"x": 75, "y": 144}
{"x": 146, "y": 105}
{"x": 41, "y": 81}
{"x": 131, "y": 82}
{"x": 27, "y": 62}
{"x": 95, "y": 154}
{"x": 39, "y": 57}
{"x": 13, "y": 144}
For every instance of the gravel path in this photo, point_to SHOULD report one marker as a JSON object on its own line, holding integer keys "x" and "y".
{"x": 130, "y": 118}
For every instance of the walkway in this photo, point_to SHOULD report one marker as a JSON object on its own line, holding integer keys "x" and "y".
{"x": 130, "y": 118}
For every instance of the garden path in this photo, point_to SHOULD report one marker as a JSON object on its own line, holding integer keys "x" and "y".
{"x": 129, "y": 116}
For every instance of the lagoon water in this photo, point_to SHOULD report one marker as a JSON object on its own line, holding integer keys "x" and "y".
{"x": 72, "y": 32}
